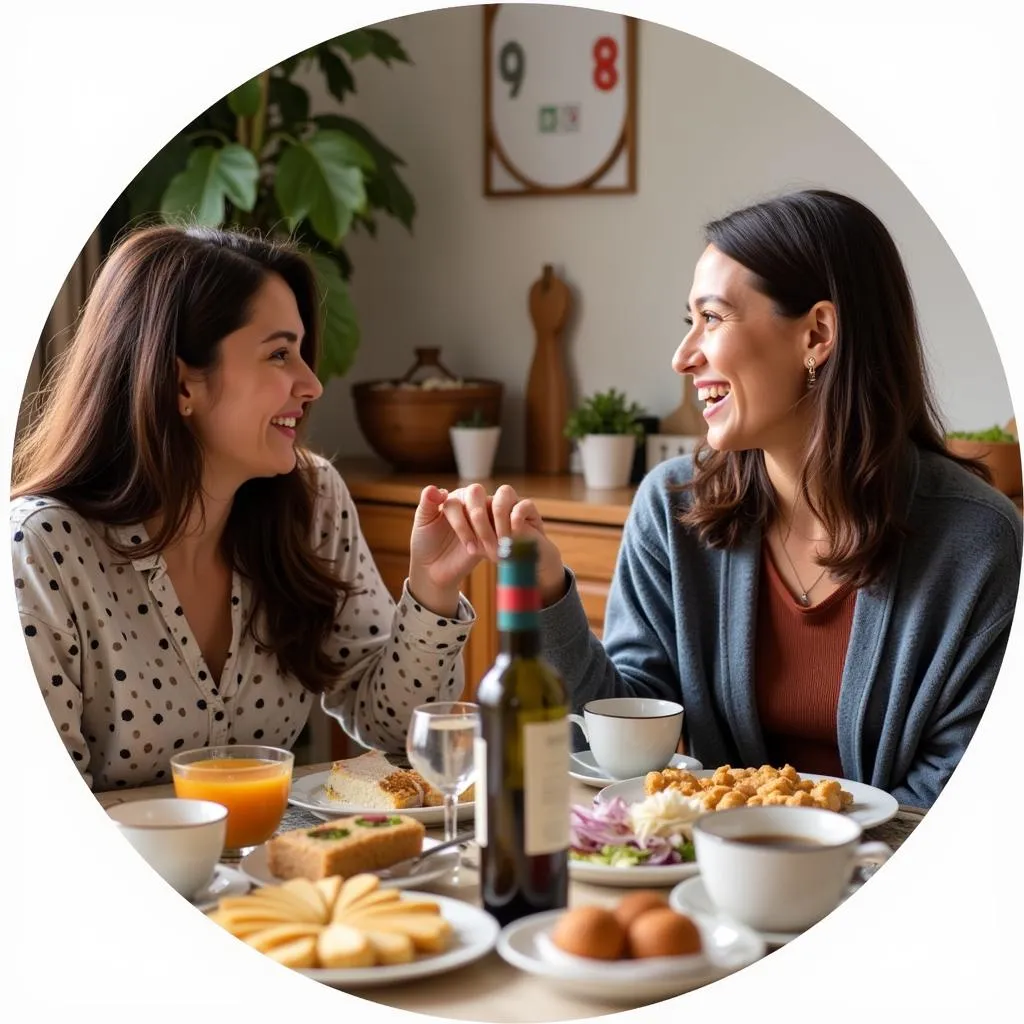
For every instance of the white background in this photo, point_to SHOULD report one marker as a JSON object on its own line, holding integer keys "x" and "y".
{"x": 90, "y": 91}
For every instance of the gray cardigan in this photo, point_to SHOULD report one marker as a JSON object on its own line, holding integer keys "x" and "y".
{"x": 924, "y": 651}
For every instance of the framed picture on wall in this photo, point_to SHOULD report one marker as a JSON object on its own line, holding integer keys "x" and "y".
{"x": 559, "y": 101}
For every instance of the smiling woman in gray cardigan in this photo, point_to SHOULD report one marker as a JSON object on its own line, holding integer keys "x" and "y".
{"x": 822, "y": 583}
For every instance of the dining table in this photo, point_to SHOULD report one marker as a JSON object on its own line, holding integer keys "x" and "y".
{"x": 490, "y": 989}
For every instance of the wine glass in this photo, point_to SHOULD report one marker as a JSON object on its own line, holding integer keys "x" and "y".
{"x": 439, "y": 746}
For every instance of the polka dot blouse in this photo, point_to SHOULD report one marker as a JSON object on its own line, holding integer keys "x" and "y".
{"x": 124, "y": 679}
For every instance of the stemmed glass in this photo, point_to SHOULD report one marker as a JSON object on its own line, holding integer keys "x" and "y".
{"x": 439, "y": 746}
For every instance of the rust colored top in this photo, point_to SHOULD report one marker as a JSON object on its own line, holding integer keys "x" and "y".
{"x": 798, "y": 669}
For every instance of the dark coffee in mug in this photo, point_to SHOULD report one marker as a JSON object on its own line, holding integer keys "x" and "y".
{"x": 777, "y": 840}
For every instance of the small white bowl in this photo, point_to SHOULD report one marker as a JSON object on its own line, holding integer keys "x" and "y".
{"x": 180, "y": 839}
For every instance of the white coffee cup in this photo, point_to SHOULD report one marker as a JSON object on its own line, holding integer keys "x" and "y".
{"x": 630, "y": 736}
{"x": 180, "y": 839}
{"x": 780, "y": 869}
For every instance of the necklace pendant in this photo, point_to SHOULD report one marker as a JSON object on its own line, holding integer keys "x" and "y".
{"x": 805, "y": 600}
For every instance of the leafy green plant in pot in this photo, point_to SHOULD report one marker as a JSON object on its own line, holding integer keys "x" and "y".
{"x": 475, "y": 443}
{"x": 259, "y": 159}
{"x": 606, "y": 427}
{"x": 998, "y": 449}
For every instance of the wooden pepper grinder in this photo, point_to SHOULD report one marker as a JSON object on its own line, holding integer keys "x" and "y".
{"x": 547, "y": 387}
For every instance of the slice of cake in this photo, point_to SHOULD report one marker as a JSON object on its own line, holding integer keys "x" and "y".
{"x": 348, "y": 846}
{"x": 372, "y": 781}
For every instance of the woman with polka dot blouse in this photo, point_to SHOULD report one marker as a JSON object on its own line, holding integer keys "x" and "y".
{"x": 187, "y": 572}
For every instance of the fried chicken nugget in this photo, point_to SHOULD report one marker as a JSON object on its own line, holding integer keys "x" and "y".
{"x": 713, "y": 796}
{"x": 800, "y": 798}
{"x": 780, "y": 785}
{"x": 734, "y": 798}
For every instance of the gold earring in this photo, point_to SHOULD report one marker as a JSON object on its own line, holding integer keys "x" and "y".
{"x": 810, "y": 372}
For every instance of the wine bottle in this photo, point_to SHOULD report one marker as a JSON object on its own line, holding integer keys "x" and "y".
{"x": 522, "y": 755}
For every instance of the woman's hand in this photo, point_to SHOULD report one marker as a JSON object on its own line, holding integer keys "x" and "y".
{"x": 479, "y": 522}
{"x": 453, "y": 532}
{"x": 439, "y": 560}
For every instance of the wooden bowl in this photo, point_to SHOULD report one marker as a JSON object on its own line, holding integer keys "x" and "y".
{"x": 408, "y": 426}
{"x": 1001, "y": 457}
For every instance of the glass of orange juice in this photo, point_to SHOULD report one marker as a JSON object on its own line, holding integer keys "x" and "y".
{"x": 252, "y": 782}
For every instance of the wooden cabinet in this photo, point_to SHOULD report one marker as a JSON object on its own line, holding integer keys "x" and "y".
{"x": 586, "y": 526}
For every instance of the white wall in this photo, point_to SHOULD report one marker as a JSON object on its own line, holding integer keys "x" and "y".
{"x": 715, "y": 132}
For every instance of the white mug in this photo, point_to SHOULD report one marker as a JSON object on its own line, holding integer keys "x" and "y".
{"x": 181, "y": 839}
{"x": 630, "y": 736}
{"x": 780, "y": 869}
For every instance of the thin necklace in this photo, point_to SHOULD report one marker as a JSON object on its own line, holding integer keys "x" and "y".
{"x": 804, "y": 596}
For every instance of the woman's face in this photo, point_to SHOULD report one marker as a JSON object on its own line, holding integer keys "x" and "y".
{"x": 747, "y": 361}
{"x": 246, "y": 410}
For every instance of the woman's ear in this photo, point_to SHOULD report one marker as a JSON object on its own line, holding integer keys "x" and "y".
{"x": 822, "y": 330}
{"x": 185, "y": 397}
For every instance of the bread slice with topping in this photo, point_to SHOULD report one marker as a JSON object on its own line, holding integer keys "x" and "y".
{"x": 347, "y": 846}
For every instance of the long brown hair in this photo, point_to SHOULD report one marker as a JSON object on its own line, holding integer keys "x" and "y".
{"x": 871, "y": 400}
{"x": 110, "y": 443}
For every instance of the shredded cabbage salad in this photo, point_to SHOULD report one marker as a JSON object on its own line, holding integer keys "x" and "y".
{"x": 603, "y": 834}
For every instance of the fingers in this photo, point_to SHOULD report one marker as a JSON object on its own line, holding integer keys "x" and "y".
{"x": 478, "y": 511}
{"x": 430, "y": 505}
{"x": 525, "y": 516}
{"x": 502, "y": 504}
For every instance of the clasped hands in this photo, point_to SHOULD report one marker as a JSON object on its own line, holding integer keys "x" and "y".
{"x": 453, "y": 531}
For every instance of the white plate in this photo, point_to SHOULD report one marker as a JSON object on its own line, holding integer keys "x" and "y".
{"x": 690, "y": 897}
{"x": 870, "y": 806}
{"x": 728, "y": 946}
{"x": 227, "y": 881}
{"x": 475, "y": 933}
{"x": 589, "y": 773}
{"x": 255, "y": 867}
{"x": 631, "y": 876}
{"x": 308, "y": 793}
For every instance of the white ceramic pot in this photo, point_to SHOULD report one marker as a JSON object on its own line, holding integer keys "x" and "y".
{"x": 180, "y": 839}
{"x": 607, "y": 459}
{"x": 475, "y": 448}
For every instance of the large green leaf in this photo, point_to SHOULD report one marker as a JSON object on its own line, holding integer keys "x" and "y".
{"x": 384, "y": 188}
{"x": 321, "y": 180}
{"x": 245, "y": 100}
{"x": 212, "y": 175}
{"x": 148, "y": 186}
{"x": 356, "y": 44}
{"x": 339, "y": 323}
{"x": 366, "y": 41}
{"x": 291, "y": 100}
{"x": 339, "y": 78}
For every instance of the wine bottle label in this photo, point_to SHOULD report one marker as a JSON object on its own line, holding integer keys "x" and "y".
{"x": 546, "y": 786}
{"x": 480, "y": 780}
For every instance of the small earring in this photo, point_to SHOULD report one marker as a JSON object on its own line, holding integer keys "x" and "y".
{"x": 810, "y": 372}
{"x": 188, "y": 410}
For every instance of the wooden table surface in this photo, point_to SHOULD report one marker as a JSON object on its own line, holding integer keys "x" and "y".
{"x": 490, "y": 989}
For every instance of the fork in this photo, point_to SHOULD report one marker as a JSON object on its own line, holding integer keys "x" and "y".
{"x": 405, "y": 867}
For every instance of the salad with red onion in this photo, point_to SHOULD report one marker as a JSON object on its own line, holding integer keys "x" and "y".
{"x": 607, "y": 834}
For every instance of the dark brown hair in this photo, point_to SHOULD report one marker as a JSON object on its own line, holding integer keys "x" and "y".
{"x": 871, "y": 399}
{"x": 110, "y": 443}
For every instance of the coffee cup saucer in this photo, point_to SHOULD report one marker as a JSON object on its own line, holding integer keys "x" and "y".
{"x": 691, "y": 897}
{"x": 584, "y": 768}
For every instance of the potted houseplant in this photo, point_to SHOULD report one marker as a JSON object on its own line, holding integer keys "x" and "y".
{"x": 475, "y": 443}
{"x": 998, "y": 448}
{"x": 259, "y": 158}
{"x": 607, "y": 429}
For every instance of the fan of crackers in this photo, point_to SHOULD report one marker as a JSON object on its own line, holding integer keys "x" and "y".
{"x": 335, "y": 922}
